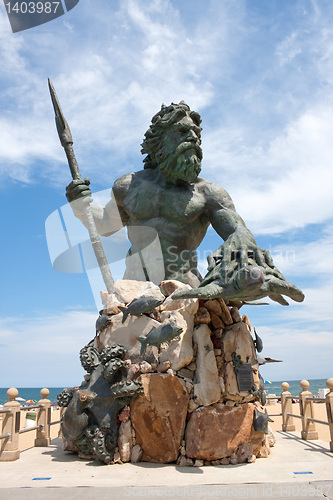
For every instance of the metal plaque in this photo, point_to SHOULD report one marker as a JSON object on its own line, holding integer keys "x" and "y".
{"x": 244, "y": 377}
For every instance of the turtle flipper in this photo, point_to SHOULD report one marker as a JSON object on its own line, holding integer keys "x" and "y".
{"x": 244, "y": 284}
{"x": 210, "y": 291}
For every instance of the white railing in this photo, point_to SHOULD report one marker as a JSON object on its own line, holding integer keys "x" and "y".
{"x": 306, "y": 410}
{"x": 10, "y": 424}
{"x": 11, "y": 414}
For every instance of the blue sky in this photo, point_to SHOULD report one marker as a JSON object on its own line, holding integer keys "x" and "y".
{"x": 261, "y": 75}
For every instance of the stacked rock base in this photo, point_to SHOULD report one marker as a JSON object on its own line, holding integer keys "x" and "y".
{"x": 186, "y": 405}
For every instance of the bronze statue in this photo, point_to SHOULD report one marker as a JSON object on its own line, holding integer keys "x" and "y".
{"x": 89, "y": 425}
{"x": 169, "y": 198}
{"x": 167, "y": 206}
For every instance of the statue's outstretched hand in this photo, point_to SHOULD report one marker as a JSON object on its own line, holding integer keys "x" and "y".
{"x": 78, "y": 189}
{"x": 240, "y": 270}
{"x": 239, "y": 248}
{"x": 248, "y": 283}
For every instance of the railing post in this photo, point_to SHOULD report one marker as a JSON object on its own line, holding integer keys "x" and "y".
{"x": 286, "y": 407}
{"x": 306, "y": 410}
{"x": 44, "y": 418}
{"x": 329, "y": 408}
{"x": 9, "y": 447}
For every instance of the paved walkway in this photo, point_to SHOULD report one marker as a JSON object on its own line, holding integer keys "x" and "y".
{"x": 295, "y": 469}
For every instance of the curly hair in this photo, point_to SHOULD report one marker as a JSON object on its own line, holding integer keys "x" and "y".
{"x": 167, "y": 116}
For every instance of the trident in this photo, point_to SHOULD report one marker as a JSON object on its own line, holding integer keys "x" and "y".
{"x": 66, "y": 140}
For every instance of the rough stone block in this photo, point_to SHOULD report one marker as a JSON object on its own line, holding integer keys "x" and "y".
{"x": 163, "y": 367}
{"x": 246, "y": 320}
{"x": 225, "y": 314}
{"x": 190, "y": 305}
{"x": 213, "y": 306}
{"x": 180, "y": 351}
{"x": 235, "y": 314}
{"x": 256, "y": 439}
{"x": 207, "y": 388}
{"x": 125, "y": 441}
{"x": 244, "y": 452}
{"x": 219, "y": 332}
{"x": 271, "y": 439}
{"x": 126, "y": 290}
{"x": 158, "y": 417}
{"x": 136, "y": 454}
{"x": 237, "y": 339}
{"x": 216, "y": 321}
{"x": 110, "y": 303}
{"x": 126, "y": 333}
{"x": 170, "y": 286}
{"x": 215, "y": 432}
{"x": 202, "y": 316}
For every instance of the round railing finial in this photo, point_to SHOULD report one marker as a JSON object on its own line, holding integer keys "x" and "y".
{"x": 12, "y": 393}
{"x": 44, "y": 393}
{"x": 329, "y": 383}
{"x": 304, "y": 384}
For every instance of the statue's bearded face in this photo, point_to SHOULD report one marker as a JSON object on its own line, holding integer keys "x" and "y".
{"x": 180, "y": 158}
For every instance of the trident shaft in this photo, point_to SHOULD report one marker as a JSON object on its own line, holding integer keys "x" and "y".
{"x": 66, "y": 140}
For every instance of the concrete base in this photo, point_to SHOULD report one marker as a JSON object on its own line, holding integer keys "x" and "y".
{"x": 288, "y": 428}
{"x": 9, "y": 456}
{"x": 42, "y": 442}
{"x": 307, "y": 436}
{"x": 320, "y": 490}
{"x": 292, "y": 462}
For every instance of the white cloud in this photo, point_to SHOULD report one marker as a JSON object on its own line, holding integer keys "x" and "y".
{"x": 313, "y": 257}
{"x": 267, "y": 137}
{"x": 285, "y": 186}
{"x": 316, "y": 310}
{"x": 108, "y": 90}
{"x": 275, "y": 156}
{"x": 305, "y": 354}
{"x": 288, "y": 49}
{"x": 300, "y": 334}
{"x": 46, "y": 348}
{"x": 149, "y": 55}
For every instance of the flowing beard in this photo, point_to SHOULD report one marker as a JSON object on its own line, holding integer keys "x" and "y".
{"x": 186, "y": 166}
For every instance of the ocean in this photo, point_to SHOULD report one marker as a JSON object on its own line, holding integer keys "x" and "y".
{"x": 31, "y": 393}
{"x": 295, "y": 388}
{"x": 273, "y": 388}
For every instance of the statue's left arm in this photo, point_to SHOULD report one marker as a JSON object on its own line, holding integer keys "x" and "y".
{"x": 239, "y": 243}
{"x": 239, "y": 264}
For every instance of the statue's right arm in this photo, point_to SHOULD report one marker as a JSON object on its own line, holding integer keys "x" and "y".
{"x": 108, "y": 219}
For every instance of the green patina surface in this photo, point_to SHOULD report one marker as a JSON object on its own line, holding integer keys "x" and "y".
{"x": 168, "y": 200}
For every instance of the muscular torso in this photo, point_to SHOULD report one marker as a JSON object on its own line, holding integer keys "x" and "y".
{"x": 178, "y": 214}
